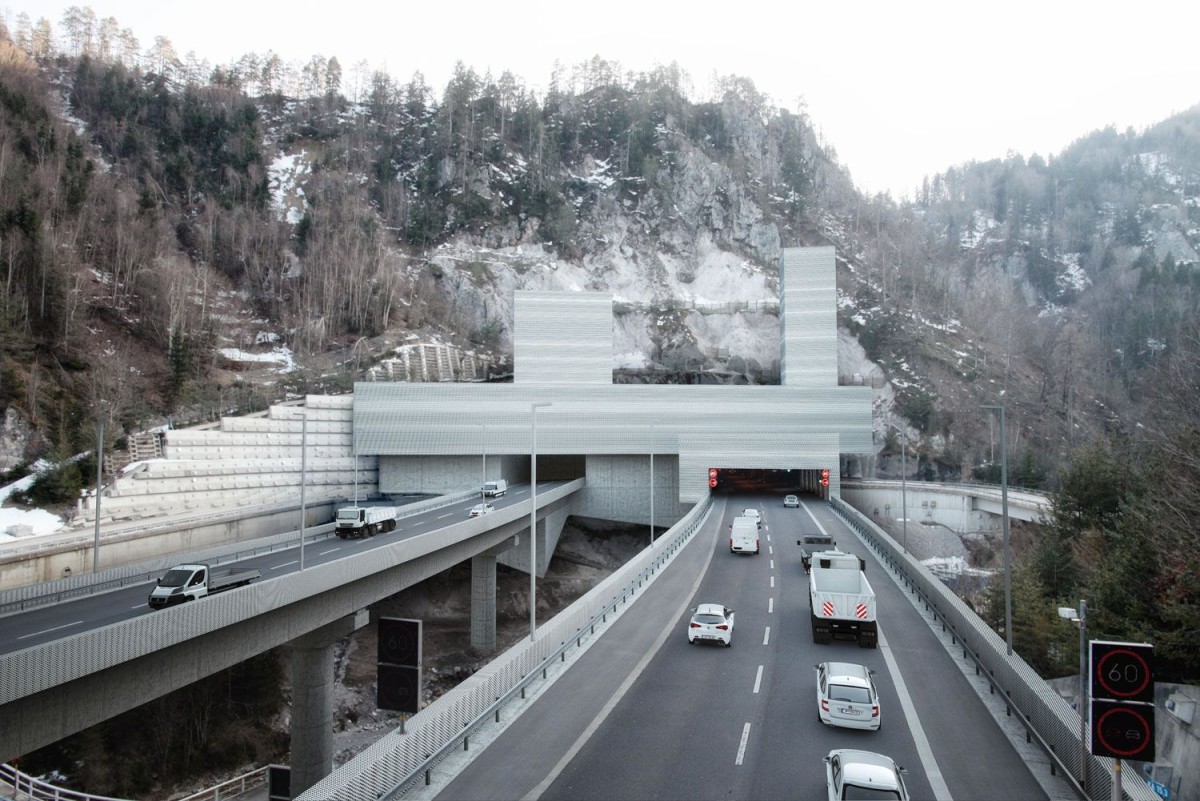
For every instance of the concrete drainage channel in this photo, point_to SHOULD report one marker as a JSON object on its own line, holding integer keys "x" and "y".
{"x": 434, "y": 745}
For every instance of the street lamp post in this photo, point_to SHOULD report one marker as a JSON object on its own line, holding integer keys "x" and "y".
{"x": 304, "y": 477}
{"x": 99, "y": 479}
{"x": 1079, "y": 618}
{"x": 652, "y": 485}
{"x": 904, "y": 483}
{"x": 1004, "y": 513}
{"x": 533, "y": 407}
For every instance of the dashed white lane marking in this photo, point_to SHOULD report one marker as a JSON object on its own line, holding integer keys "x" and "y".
{"x": 770, "y": 549}
{"x": 758, "y": 680}
{"x": 286, "y": 564}
{"x": 766, "y": 640}
{"x": 742, "y": 746}
{"x": 66, "y": 626}
{"x": 772, "y": 564}
{"x": 771, "y": 604}
{"x": 772, "y": 581}
{"x": 331, "y": 550}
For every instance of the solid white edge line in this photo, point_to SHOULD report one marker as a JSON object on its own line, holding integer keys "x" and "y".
{"x": 597, "y": 721}
{"x": 814, "y": 519}
{"x": 742, "y": 746}
{"x": 934, "y": 773}
{"x": 758, "y": 680}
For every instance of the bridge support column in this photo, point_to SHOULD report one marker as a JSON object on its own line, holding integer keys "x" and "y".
{"x": 483, "y": 604}
{"x": 312, "y": 700}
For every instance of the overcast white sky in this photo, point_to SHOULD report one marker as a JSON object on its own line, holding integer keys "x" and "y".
{"x": 900, "y": 90}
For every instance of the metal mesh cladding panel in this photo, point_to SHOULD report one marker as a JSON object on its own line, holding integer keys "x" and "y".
{"x": 808, "y": 317}
{"x": 562, "y": 337}
{"x": 459, "y": 419}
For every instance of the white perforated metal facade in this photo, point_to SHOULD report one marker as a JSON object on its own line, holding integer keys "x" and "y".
{"x": 562, "y": 337}
{"x": 808, "y": 317}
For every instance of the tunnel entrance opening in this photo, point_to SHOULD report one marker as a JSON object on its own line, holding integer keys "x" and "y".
{"x": 741, "y": 480}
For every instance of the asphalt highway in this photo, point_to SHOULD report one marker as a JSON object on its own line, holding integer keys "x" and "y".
{"x": 645, "y": 715}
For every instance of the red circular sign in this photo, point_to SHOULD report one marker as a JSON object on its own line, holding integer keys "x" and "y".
{"x": 1123, "y": 732}
{"x": 1120, "y": 669}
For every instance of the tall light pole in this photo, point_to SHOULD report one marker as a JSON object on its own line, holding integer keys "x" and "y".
{"x": 533, "y": 407}
{"x": 652, "y": 485}
{"x": 483, "y": 479}
{"x": 904, "y": 483}
{"x": 1079, "y": 618}
{"x": 99, "y": 479}
{"x": 304, "y": 477}
{"x": 1004, "y": 513}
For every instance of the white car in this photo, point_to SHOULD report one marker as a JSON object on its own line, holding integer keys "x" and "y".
{"x": 711, "y": 623}
{"x": 753, "y": 513}
{"x": 791, "y": 502}
{"x": 850, "y": 773}
{"x": 846, "y": 696}
{"x": 481, "y": 509}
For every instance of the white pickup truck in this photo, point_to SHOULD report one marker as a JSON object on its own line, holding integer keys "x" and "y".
{"x": 191, "y": 582}
{"x": 841, "y": 599}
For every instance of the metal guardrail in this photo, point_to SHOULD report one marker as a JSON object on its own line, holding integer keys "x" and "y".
{"x": 239, "y": 785}
{"x": 1046, "y": 716}
{"x": 402, "y": 759}
{"x": 19, "y": 599}
{"x": 27, "y": 787}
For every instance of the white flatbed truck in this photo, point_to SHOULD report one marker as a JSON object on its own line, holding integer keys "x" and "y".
{"x": 191, "y": 582}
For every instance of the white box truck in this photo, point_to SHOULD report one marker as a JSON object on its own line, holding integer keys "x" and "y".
{"x": 495, "y": 489}
{"x": 364, "y": 521}
{"x": 190, "y": 582}
{"x": 841, "y": 599}
{"x": 743, "y": 535}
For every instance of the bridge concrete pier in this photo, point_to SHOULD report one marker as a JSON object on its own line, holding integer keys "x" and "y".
{"x": 483, "y": 603}
{"x": 312, "y": 700}
{"x": 483, "y": 597}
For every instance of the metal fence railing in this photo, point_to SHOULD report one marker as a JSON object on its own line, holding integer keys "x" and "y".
{"x": 17, "y": 599}
{"x": 1048, "y": 719}
{"x": 402, "y": 759}
{"x": 25, "y": 786}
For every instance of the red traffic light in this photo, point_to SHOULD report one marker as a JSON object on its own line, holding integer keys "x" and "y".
{"x": 824, "y": 478}
{"x": 712, "y": 482}
{"x": 712, "y": 472}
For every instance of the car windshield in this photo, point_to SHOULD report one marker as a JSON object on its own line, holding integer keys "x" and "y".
{"x": 852, "y": 792}
{"x": 856, "y": 695}
{"x": 708, "y": 619}
{"x": 175, "y": 578}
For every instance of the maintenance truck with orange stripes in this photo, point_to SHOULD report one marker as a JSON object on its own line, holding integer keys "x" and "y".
{"x": 841, "y": 599}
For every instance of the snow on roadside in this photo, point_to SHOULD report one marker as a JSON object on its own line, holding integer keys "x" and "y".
{"x": 38, "y": 520}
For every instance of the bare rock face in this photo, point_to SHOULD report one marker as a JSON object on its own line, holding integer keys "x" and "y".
{"x": 17, "y": 440}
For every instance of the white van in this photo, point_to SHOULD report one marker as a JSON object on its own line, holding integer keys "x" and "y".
{"x": 743, "y": 535}
{"x": 494, "y": 489}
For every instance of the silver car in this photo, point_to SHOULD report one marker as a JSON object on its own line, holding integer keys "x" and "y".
{"x": 846, "y": 696}
{"x": 850, "y": 773}
{"x": 791, "y": 502}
